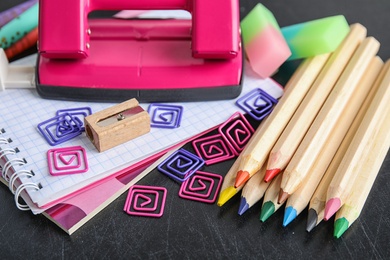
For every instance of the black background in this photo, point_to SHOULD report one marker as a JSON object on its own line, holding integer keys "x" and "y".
{"x": 191, "y": 229}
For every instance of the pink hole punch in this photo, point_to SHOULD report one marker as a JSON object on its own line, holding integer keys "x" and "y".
{"x": 151, "y": 59}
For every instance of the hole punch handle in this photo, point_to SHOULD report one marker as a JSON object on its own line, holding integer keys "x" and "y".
{"x": 64, "y": 32}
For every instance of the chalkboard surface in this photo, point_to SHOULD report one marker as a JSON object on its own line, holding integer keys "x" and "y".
{"x": 190, "y": 229}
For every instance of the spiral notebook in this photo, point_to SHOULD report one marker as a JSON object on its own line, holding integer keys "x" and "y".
{"x": 24, "y": 158}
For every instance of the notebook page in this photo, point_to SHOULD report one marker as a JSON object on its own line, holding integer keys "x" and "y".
{"x": 22, "y": 110}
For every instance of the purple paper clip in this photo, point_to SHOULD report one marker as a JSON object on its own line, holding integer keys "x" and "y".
{"x": 165, "y": 116}
{"x": 59, "y": 129}
{"x": 181, "y": 165}
{"x": 236, "y": 131}
{"x": 145, "y": 201}
{"x": 213, "y": 149}
{"x": 202, "y": 186}
{"x": 64, "y": 127}
{"x": 257, "y": 103}
{"x": 68, "y": 160}
{"x": 78, "y": 114}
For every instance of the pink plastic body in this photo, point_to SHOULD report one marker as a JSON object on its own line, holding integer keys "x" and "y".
{"x": 152, "y": 54}
{"x": 65, "y": 32}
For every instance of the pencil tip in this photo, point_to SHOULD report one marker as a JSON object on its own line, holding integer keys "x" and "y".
{"x": 270, "y": 174}
{"x": 289, "y": 215}
{"x": 282, "y": 196}
{"x": 242, "y": 177}
{"x": 312, "y": 219}
{"x": 226, "y": 195}
{"x": 244, "y": 206}
{"x": 267, "y": 210}
{"x": 340, "y": 226}
{"x": 331, "y": 207}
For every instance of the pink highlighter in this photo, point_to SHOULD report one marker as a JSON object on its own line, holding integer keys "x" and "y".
{"x": 151, "y": 60}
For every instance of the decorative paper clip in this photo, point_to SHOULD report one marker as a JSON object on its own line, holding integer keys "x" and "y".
{"x": 180, "y": 165}
{"x": 165, "y": 116}
{"x": 78, "y": 114}
{"x": 257, "y": 103}
{"x": 60, "y": 129}
{"x": 236, "y": 131}
{"x": 145, "y": 201}
{"x": 68, "y": 160}
{"x": 213, "y": 149}
{"x": 202, "y": 186}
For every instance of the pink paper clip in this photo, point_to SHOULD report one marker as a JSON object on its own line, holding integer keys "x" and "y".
{"x": 145, "y": 201}
{"x": 202, "y": 187}
{"x": 68, "y": 160}
{"x": 237, "y": 131}
{"x": 213, "y": 149}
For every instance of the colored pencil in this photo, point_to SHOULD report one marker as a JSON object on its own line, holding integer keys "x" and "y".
{"x": 227, "y": 189}
{"x": 366, "y": 176}
{"x": 270, "y": 201}
{"x": 327, "y": 118}
{"x": 342, "y": 182}
{"x": 317, "y": 203}
{"x": 299, "y": 200}
{"x": 296, "y": 129}
{"x": 257, "y": 150}
{"x": 253, "y": 191}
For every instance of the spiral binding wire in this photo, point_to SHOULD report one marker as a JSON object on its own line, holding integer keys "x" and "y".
{"x": 11, "y": 164}
{"x": 4, "y": 140}
{"x": 19, "y": 190}
{"x": 6, "y": 151}
{"x": 17, "y": 175}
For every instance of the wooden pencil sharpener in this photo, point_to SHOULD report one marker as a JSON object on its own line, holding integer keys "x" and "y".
{"x": 116, "y": 125}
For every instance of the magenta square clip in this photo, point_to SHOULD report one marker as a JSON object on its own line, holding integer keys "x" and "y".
{"x": 201, "y": 186}
{"x": 237, "y": 132}
{"x": 213, "y": 149}
{"x": 68, "y": 160}
{"x": 145, "y": 201}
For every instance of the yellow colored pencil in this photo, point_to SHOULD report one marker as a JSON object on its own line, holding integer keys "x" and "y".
{"x": 227, "y": 189}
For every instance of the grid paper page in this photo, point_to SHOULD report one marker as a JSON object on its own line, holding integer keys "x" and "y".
{"x": 22, "y": 110}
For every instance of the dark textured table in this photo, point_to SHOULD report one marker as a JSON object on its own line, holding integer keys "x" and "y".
{"x": 191, "y": 229}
